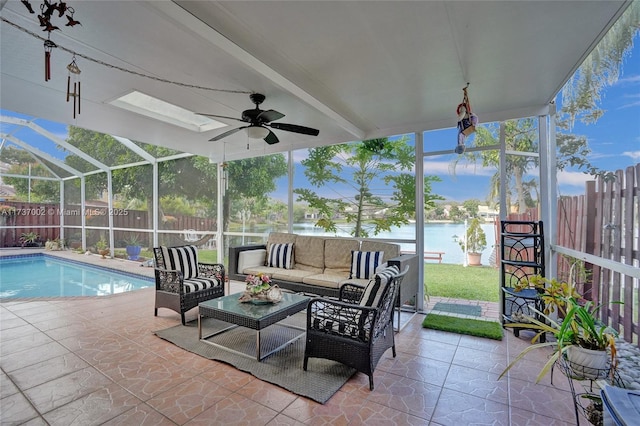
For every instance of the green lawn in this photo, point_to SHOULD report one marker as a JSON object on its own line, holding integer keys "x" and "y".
{"x": 456, "y": 281}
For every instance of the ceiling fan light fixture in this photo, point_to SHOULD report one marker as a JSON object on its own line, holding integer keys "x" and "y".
{"x": 257, "y": 132}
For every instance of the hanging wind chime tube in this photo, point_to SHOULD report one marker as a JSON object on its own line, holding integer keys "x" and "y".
{"x": 73, "y": 69}
{"x": 48, "y": 47}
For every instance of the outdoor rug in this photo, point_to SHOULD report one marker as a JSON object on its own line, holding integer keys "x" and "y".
{"x": 455, "y": 308}
{"x": 472, "y": 327}
{"x": 322, "y": 379}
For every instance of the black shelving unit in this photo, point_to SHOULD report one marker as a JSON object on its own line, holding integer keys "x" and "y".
{"x": 521, "y": 257}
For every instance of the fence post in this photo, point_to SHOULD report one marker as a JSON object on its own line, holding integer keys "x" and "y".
{"x": 590, "y": 212}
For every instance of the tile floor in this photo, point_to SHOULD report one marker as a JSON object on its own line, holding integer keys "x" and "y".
{"x": 90, "y": 361}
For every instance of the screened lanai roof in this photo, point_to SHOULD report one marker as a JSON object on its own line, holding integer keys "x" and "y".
{"x": 352, "y": 69}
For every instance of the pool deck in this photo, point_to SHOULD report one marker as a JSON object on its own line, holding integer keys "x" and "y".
{"x": 96, "y": 361}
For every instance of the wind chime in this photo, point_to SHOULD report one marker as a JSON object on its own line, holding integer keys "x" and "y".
{"x": 49, "y": 11}
{"x": 467, "y": 121}
{"x": 73, "y": 69}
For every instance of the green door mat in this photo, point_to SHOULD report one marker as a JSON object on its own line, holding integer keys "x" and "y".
{"x": 473, "y": 327}
{"x": 455, "y": 308}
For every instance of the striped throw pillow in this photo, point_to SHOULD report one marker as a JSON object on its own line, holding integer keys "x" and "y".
{"x": 375, "y": 289}
{"x": 183, "y": 259}
{"x": 364, "y": 263}
{"x": 280, "y": 256}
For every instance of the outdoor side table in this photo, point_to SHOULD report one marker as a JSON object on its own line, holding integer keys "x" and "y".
{"x": 253, "y": 316}
{"x": 522, "y": 302}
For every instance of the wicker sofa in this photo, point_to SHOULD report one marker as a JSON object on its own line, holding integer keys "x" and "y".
{"x": 320, "y": 265}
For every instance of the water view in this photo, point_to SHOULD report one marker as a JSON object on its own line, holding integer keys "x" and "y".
{"x": 437, "y": 237}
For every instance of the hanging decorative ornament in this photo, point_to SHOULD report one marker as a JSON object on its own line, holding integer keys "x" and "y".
{"x": 467, "y": 121}
{"x": 47, "y": 11}
{"x": 73, "y": 69}
{"x": 48, "y": 46}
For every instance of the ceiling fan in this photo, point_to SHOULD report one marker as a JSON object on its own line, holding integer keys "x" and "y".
{"x": 258, "y": 119}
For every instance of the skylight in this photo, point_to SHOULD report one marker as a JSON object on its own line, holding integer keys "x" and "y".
{"x": 160, "y": 110}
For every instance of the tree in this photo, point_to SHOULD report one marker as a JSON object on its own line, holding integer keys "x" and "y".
{"x": 22, "y": 163}
{"x": 373, "y": 162}
{"x": 249, "y": 183}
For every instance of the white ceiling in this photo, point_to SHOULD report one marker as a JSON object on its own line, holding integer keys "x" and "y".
{"x": 352, "y": 69}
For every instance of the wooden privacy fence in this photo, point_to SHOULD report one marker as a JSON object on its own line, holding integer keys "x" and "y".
{"x": 605, "y": 222}
{"x": 44, "y": 219}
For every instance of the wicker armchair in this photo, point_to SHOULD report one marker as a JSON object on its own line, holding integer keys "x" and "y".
{"x": 357, "y": 329}
{"x": 182, "y": 282}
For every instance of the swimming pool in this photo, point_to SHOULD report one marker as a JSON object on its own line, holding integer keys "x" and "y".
{"x": 46, "y": 276}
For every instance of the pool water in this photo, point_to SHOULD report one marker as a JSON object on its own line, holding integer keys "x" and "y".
{"x": 45, "y": 276}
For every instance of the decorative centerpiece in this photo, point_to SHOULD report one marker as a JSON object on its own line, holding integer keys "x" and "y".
{"x": 260, "y": 290}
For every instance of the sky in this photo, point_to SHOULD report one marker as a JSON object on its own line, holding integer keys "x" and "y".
{"x": 614, "y": 142}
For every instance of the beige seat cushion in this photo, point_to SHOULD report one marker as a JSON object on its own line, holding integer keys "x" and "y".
{"x": 390, "y": 250}
{"x": 337, "y": 255}
{"x": 324, "y": 280}
{"x": 309, "y": 251}
{"x": 293, "y": 275}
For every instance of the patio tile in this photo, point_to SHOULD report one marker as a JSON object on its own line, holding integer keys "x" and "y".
{"x": 7, "y": 387}
{"x": 30, "y": 341}
{"x": 235, "y": 410}
{"x": 538, "y": 398}
{"x": 16, "y": 409}
{"x": 410, "y": 396}
{"x": 528, "y": 418}
{"x": 140, "y": 415}
{"x": 493, "y": 362}
{"x": 457, "y": 408}
{"x": 188, "y": 399}
{"x": 372, "y": 414}
{"x": 28, "y": 357}
{"x": 65, "y": 389}
{"x": 418, "y": 368}
{"x": 226, "y": 376}
{"x": 339, "y": 410}
{"x": 94, "y": 408}
{"x": 48, "y": 370}
{"x": 267, "y": 394}
{"x": 477, "y": 383}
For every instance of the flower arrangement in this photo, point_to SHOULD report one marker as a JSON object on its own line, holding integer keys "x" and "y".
{"x": 260, "y": 290}
{"x": 258, "y": 283}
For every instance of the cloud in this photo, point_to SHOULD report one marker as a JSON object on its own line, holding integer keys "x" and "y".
{"x": 566, "y": 178}
{"x": 635, "y": 155}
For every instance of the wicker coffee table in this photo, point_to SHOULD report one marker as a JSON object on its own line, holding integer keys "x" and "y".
{"x": 256, "y": 317}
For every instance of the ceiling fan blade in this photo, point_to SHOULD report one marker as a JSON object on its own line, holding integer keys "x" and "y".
{"x": 295, "y": 128}
{"x": 271, "y": 138}
{"x": 269, "y": 115}
{"x": 225, "y": 134}
{"x": 219, "y": 116}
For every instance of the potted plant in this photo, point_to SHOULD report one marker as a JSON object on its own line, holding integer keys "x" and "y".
{"x": 577, "y": 332}
{"x": 101, "y": 246}
{"x": 476, "y": 242}
{"x": 29, "y": 239}
{"x": 55, "y": 244}
{"x": 133, "y": 247}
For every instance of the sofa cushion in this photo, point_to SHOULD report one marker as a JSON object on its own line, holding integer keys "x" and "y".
{"x": 281, "y": 256}
{"x": 255, "y": 270}
{"x": 293, "y": 275}
{"x": 324, "y": 280}
{"x": 309, "y": 251}
{"x": 377, "y": 286}
{"x": 250, "y": 259}
{"x": 364, "y": 263}
{"x": 183, "y": 259}
{"x": 279, "y": 238}
{"x": 390, "y": 250}
{"x": 337, "y": 255}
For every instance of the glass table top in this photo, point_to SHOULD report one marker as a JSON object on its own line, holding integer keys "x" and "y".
{"x": 230, "y": 304}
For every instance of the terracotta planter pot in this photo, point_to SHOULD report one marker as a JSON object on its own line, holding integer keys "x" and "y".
{"x": 474, "y": 259}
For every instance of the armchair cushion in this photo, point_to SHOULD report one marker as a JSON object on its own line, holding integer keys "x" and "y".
{"x": 364, "y": 263}
{"x": 183, "y": 259}
{"x": 374, "y": 291}
{"x": 196, "y": 284}
{"x": 280, "y": 256}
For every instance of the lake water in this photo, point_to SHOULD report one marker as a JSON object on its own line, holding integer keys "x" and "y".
{"x": 437, "y": 237}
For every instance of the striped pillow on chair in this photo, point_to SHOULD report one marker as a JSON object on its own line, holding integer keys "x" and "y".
{"x": 183, "y": 259}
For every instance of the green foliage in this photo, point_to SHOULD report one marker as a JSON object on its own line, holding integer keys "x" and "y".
{"x": 457, "y": 282}
{"x": 476, "y": 238}
{"x": 367, "y": 163}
